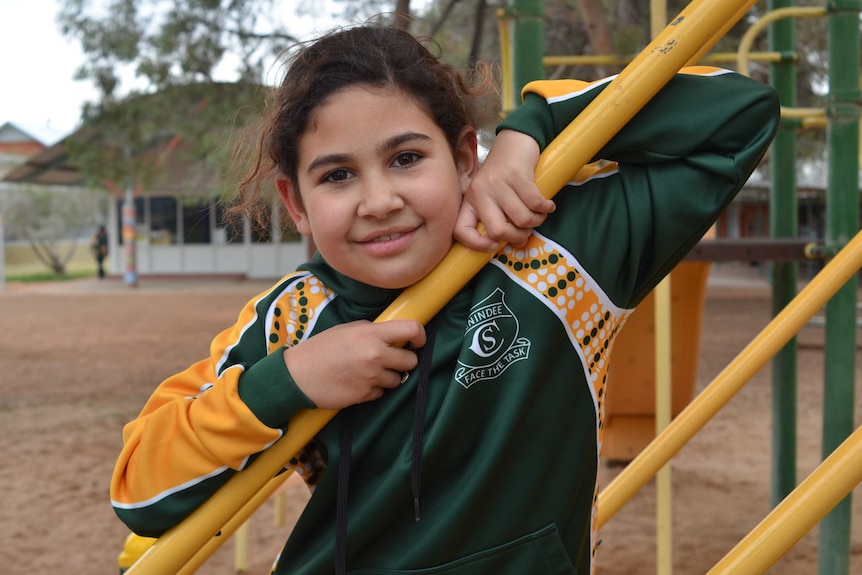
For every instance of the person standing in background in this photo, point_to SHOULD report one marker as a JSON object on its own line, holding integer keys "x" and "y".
{"x": 99, "y": 247}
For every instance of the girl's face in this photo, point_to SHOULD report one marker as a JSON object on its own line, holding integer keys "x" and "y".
{"x": 379, "y": 185}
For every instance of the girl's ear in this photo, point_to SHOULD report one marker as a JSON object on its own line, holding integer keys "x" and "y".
{"x": 467, "y": 156}
{"x": 290, "y": 196}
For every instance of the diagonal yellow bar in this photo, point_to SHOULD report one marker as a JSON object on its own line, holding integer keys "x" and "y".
{"x": 233, "y": 525}
{"x": 798, "y": 513}
{"x": 695, "y": 29}
{"x": 755, "y": 355}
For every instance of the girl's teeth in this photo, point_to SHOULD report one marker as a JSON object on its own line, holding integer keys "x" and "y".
{"x": 387, "y": 238}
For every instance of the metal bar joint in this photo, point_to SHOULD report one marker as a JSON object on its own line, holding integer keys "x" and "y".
{"x": 833, "y": 6}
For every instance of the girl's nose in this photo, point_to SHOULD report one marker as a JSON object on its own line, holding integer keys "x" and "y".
{"x": 380, "y": 197}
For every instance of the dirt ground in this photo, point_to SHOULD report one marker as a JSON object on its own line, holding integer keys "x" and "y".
{"x": 79, "y": 359}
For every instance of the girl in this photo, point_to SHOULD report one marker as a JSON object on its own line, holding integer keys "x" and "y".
{"x": 474, "y": 449}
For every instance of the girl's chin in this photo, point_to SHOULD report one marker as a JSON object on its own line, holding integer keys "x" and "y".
{"x": 396, "y": 279}
{"x": 398, "y": 272}
{"x": 390, "y": 283}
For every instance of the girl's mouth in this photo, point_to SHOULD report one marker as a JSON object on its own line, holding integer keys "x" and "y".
{"x": 390, "y": 237}
{"x": 388, "y": 244}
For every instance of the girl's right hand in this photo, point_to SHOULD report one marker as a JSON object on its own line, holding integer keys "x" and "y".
{"x": 354, "y": 362}
{"x": 503, "y": 196}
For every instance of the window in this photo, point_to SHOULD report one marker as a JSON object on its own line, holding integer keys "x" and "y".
{"x": 196, "y": 221}
{"x": 163, "y": 221}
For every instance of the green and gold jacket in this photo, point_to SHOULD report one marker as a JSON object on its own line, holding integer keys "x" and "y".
{"x": 511, "y": 410}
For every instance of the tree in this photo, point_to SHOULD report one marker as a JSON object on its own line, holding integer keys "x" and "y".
{"x": 49, "y": 218}
{"x": 161, "y": 43}
{"x": 127, "y": 143}
{"x": 170, "y": 53}
{"x": 157, "y": 66}
{"x": 140, "y": 47}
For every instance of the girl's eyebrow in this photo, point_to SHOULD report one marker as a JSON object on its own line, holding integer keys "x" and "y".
{"x": 398, "y": 140}
{"x": 326, "y": 160}
{"x": 387, "y": 145}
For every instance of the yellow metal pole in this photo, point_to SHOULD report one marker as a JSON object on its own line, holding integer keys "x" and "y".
{"x": 798, "y": 512}
{"x": 504, "y": 21}
{"x": 279, "y": 503}
{"x": 658, "y": 17}
{"x": 240, "y": 557}
{"x": 663, "y": 387}
{"x": 748, "y": 38}
{"x": 811, "y": 117}
{"x": 232, "y": 525}
{"x": 694, "y": 28}
{"x": 663, "y": 379}
{"x": 755, "y": 355}
{"x": 596, "y": 59}
{"x": 723, "y": 27}
{"x": 133, "y": 547}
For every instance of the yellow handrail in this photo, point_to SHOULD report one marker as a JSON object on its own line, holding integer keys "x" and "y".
{"x": 619, "y": 60}
{"x": 693, "y": 29}
{"x": 806, "y": 505}
{"x": 810, "y": 116}
{"x": 233, "y": 525}
{"x": 506, "y": 84}
{"x": 755, "y": 355}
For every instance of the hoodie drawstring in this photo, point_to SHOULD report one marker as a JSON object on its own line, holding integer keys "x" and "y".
{"x": 419, "y": 417}
{"x": 348, "y": 416}
{"x": 341, "y": 501}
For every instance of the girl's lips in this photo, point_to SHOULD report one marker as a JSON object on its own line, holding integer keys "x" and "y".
{"x": 387, "y": 244}
{"x": 387, "y": 238}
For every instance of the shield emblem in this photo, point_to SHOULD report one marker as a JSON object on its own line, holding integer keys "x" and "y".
{"x": 491, "y": 342}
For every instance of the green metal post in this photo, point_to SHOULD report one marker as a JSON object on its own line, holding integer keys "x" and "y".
{"x": 783, "y": 222}
{"x": 528, "y": 44}
{"x": 842, "y": 222}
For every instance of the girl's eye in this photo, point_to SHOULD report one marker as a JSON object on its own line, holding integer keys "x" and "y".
{"x": 405, "y": 159}
{"x": 337, "y": 176}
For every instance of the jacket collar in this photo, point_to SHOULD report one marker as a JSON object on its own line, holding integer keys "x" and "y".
{"x": 366, "y": 298}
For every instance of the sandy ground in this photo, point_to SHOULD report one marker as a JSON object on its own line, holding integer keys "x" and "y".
{"x": 79, "y": 359}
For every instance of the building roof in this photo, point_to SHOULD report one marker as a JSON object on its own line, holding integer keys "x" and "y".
{"x": 15, "y": 132}
{"x": 181, "y": 174}
{"x": 184, "y": 171}
{"x": 51, "y": 166}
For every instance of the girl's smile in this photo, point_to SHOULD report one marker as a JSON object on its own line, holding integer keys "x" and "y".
{"x": 388, "y": 243}
{"x": 379, "y": 185}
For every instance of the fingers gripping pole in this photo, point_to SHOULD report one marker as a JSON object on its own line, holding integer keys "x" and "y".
{"x": 696, "y": 27}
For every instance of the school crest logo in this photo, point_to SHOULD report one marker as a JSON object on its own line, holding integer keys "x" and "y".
{"x": 492, "y": 341}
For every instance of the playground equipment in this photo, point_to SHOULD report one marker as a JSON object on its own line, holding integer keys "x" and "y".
{"x": 840, "y": 116}
{"x": 630, "y": 411}
{"x": 777, "y": 333}
{"x": 694, "y": 32}
{"x": 842, "y": 222}
{"x": 133, "y": 547}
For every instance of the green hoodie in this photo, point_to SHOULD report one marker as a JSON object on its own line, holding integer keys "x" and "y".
{"x": 495, "y": 445}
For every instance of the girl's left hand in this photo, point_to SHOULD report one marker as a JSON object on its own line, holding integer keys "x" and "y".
{"x": 503, "y": 196}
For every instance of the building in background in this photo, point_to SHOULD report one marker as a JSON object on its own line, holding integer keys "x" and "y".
{"x": 19, "y": 142}
{"x": 180, "y": 228}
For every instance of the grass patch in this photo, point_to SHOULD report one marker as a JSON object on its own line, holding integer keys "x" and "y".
{"x": 47, "y": 276}
{"x": 23, "y": 266}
